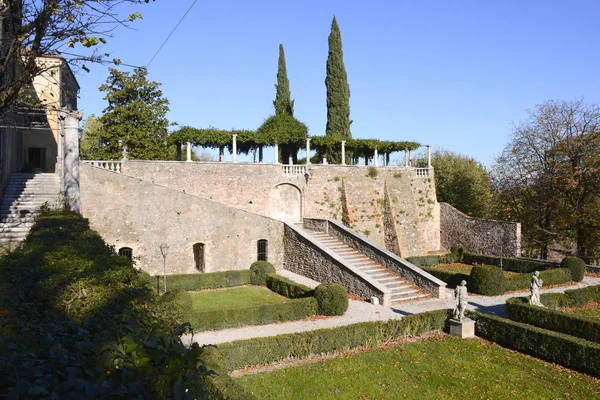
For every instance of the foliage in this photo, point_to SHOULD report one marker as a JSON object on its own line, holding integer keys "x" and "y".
{"x": 566, "y": 350}
{"x": 136, "y": 117}
{"x": 49, "y": 28}
{"x": 81, "y": 322}
{"x": 372, "y": 172}
{"x": 283, "y": 103}
{"x": 559, "y": 321}
{"x": 221, "y": 386}
{"x": 174, "y": 304}
{"x": 462, "y": 182}
{"x": 520, "y": 265}
{"x": 89, "y": 142}
{"x": 431, "y": 260}
{"x": 259, "y": 271}
{"x": 211, "y": 280}
{"x": 576, "y": 266}
{"x": 548, "y": 178}
{"x": 440, "y": 367}
{"x": 338, "y": 92}
{"x": 332, "y": 299}
{"x": 571, "y": 298}
{"x": 457, "y": 251}
{"x": 487, "y": 280}
{"x": 554, "y": 276}
{"x": 288, "y": 288}
{"x": 452, "y": 278}
{"x": 286, "y": 128}
{"x": 245, "y": 353}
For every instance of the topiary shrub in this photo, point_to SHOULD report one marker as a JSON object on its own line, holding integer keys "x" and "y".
{"x": 259, "y": 271}
{"x": 576, "y": 266}
{"x": 332, "y": 299}
{"x": 487, "y": 280}
{"x": 457, "y": 252}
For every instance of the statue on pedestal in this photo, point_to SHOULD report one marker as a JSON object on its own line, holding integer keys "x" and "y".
{"x": 461, "y": 297}
{"x": 536, "y": 284}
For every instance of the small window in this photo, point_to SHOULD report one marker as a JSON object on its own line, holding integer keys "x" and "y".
{"x": 126, "y": 252}
{"x": 199, "y": 256}
{"x": 261, "y": 250}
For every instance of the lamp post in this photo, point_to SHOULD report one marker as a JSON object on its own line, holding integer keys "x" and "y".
{"x": 164, "y": 249}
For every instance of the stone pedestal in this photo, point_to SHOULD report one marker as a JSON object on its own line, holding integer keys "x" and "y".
{"x": 464, "y": 329}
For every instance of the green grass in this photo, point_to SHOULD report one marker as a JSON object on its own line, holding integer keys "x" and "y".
{"x": 589, "y": 312}
{"x": 247, "y": 296}
{"x": 464, "y": 269}
{"x": 449, "y": 368}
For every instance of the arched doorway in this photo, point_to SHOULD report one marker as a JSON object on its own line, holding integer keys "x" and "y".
{"x": 285, "y": 203}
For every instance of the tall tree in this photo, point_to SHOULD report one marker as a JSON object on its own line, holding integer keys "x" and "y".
{"x": 135, "y": 115}
{"x": 283, "y": 102}
{"x": 338, "y": 92}
{"x": 89, "y": 141}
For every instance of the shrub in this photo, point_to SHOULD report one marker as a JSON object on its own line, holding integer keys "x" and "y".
{"x": 211, "y": 280}
{"x": 555, "y": 276}
{"x": 259, "y": 351}
{"x": 577, "y": 267}
{"x": 571, "y": 298}
{"x": 259, "y": 271}
{"x": 457, "y": 251}
{"x": 519, "y": 265}
{"x": 221, "y": 386}
{"x": 568, "y": 351}
{"x": 332, "y": 299}
{"x": 175, "y": 304}
{"x": 291, "y": 310}
{"x": 487, "y": 280}
{"x": 288, "y": 288}
{"x": 521, "y": 311}
{"x": 372, "y": 172}
{"x": 451, "y": 278}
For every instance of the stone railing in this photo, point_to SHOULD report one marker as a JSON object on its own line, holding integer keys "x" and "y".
{"x": 293, "y": 169}
{"x": 423, "y": 172}
{"x": 114, "y": 166}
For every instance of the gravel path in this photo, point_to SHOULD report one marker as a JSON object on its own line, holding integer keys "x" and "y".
{"x": 360, "y": 311}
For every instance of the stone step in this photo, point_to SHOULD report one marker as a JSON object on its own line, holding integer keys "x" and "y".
{"x": 403, "y": 292}
{"x": 411, "y": 297}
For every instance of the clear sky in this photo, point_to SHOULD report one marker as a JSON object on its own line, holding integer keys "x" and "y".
{"x": 453, "y": 74}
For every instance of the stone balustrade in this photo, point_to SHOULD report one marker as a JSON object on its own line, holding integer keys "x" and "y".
{"x": 422, "y": 172}
{"x": 114, "y": 166}
{"x": 293, "y": 169}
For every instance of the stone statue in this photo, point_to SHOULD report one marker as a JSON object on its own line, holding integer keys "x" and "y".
{"x": 461, "y": 297}
{"x": 536, "y": 284}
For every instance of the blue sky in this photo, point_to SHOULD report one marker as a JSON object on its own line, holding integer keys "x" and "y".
{"x": 453, "y": 74}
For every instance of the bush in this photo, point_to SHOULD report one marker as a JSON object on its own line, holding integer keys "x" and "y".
{"x": 577, "y": 267}
{"x": 332, "y": 299}
{"x": 521, "y": 311}
{"x": 457, "y": 251}
{"x": 568, "y": 351}
{"x": 487, "y": 280}
{"x": 175, "y": 304}
{"x": 572, "y": 297}
{"x": 451, "y": 278}
{"x": 554, "y": 276}
{"x": 221, "y": 386}
{"x": 291, "y": 310}
{"x": 259, "y": 351}
{"x": 211, "y": 280}
{"x": 519, "y": 265}
{"x": 288, "y": 288}
{"x": 259, "y": 271}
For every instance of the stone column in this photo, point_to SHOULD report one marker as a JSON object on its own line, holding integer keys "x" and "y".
{"x": 70, "y": 160}
{"x": 290, "y": 160}
{"x": 234, "y": 155}
{"x": 375, "y": 157}
{"x": 409, "y": 159}
{"x": 428, "y": 156}
{"x": 324, "y": 160}
{"x": 276, "y": 158}
{"x": 406, "y": 158}
{"x": 188, "y": 150}
{"x": 343, "y": 152}
{"x": 307, "y": 150}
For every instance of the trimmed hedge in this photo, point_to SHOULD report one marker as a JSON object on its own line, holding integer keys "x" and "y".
{"x": 221, "y": 386}
{"x": 431, "y": 260}
{"x": 332, "y": 299}
{"x": 211, "y": 280}
{"x": 568, "y": 351}
{"x": 577, "y": 267}
{"x": 509, "y": 264}
{"x": 259, "y": 271}
{"x": 554, "y": 276}
{"x": 451, "y": 278}
{"x": 259, "y": 315}
{"x": 288, "y": 288}
{"x": 487, "y": 280}
{"x": 245, "y": 353}
{"x": 521, "y": 311}
{"x": 571, "y": 298}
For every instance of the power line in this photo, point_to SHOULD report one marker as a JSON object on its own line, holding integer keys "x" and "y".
{"x": 168, "y": 37}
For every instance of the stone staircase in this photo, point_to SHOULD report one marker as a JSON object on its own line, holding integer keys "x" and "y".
{"x": 402, "y": 290}
{"x": 22, "y": 199}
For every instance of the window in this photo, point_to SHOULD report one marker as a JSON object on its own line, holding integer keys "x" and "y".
{"x": 199, "y": 256}
{"x": 126, "y": 252}
{"x": 261, "y": 248}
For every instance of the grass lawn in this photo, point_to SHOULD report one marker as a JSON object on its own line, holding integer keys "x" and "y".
{"x": 446, "y": 368}
{"x": 246, "y": 296}
{"x": 590, "y": 311}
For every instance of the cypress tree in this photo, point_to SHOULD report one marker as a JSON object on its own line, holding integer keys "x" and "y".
{"x": 283, "y": 102}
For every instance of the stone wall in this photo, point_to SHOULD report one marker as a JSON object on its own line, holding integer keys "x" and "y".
{"x": 279, "y": 191}
{"x": 480, "y": 236}
{"x": 138, "y": 214}
{"x": 306, "y": 257}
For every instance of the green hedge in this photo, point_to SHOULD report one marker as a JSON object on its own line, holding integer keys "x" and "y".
{"x": 211, "y": 280}
{"x": 521, "y": 311}
{"x": 332, "y": 299}
{"x": 568, "y": 351}
{"x": 288, "y": 288}
{"x": 220, "y": 386}
{"x": 431, "y": 260}
{"x": 244, "y": 353}
{"x": 577, "y": 267}
{"x": 554, "y": 276}
{"x": 451, "y": 278}
{"x": 259, "y": 271}
{"x": 487, "y": 280}
{"x": 572, "y": 297}
{"x": 509, "y": 264}
{"x": 293, "y": 309}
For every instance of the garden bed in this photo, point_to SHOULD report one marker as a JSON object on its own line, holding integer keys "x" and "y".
{"x": 244, "y": 296}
